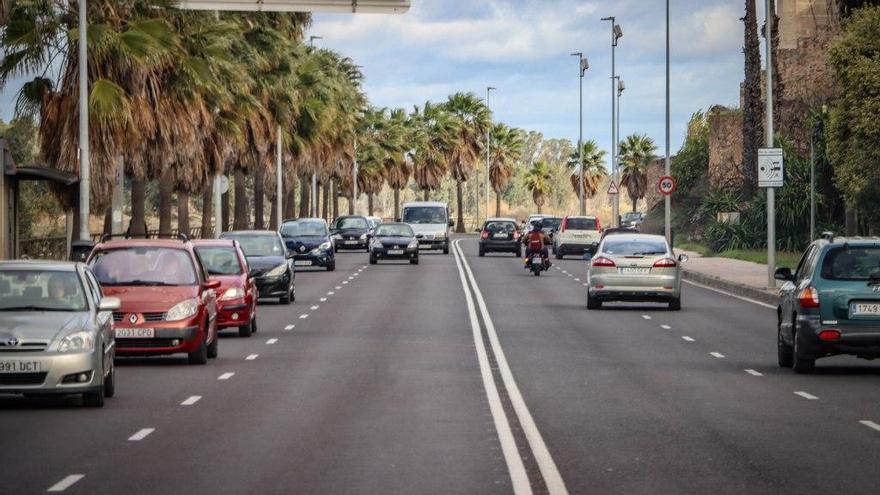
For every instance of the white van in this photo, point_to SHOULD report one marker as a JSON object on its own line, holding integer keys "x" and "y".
{"x": 430, "y": 220}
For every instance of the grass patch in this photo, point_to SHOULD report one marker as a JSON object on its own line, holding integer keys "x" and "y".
{"x": 697, "y": 248}
{"x": 783, "y": 258}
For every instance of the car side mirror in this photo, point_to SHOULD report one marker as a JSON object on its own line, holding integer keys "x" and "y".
{"x": 784, "y": 274}
{"x": 682, "y": 258}
{"x": 212, "y": 283}
{"x": 109, "y": 304}
{"x": 420, "y": 236}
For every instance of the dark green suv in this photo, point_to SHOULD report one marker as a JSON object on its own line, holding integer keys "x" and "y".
{"x": 831, "y": 304}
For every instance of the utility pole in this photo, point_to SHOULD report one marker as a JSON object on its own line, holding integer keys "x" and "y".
{"x": 616, "y": 33}
{"x": 583, "y": 65}
{"x": 667, "y": 167}
{"x": 771, "y": 192}
{"x": 84, "y": 164}
{"x": 488, "y": 156}
{"x": 314, "y": 175}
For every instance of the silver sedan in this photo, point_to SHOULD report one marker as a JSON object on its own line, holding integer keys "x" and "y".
{"x": 635, "y": 267}
{"x": 56, "y": 331}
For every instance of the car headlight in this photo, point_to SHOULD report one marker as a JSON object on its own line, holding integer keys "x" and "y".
{"x": 336, "y": 237}
{"x": 363, "y": 236}
{"x": 413, "y": 244}
{"x": 277, "y": 271}
{"x": 183, "y": 310}
{"x": 77, "y": 342}
{"x": 376, "y": 243}
{"x": 324, "y": 246}
{"x": 232, "y": 293}
{"x": 440, "y": 235}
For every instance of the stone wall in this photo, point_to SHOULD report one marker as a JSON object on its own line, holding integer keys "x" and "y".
{"x": 656, "y": 170}
{"x": 725, "y": 148}
{"x": 799, "y": 19}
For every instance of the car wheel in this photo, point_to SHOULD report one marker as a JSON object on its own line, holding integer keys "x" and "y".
{"x": 446, "y": 249}
{"x": 800, "y": 364}
{"x": 214, "y": 347}
{"x": 784, "y": 352}
{"x": 559, "y": 252}
{"x": 94, "y": 399}
{"x": 482, "y": 252}
{"x": 110, "y": 382}
{"x": 246, "y": 330}
{"x": 254, "y": 325}
{"x": 287, "y": 298}
{"x": 200, "y": 355}
{"x": 414, "y": 261}
{"x": 331, "y": 266}
{"x": 675, "y": 304}
{"x": 518, "y": 253}
{"x": 373, "y": 260}
{"x": 593, "y": 303}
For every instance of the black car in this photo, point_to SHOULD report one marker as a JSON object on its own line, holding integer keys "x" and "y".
{"x": 270, "y": 262}
{"x": 394, "y": 241}
{"x": 309, "y": 241}
{"x": 351, "y": 232}
{"x": 500, "y": 235}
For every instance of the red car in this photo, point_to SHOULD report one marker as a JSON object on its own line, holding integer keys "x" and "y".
{"x": 237, "y": 301}
{"x": 168, "y": 303}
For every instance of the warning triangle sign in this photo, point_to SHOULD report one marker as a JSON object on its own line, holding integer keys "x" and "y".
{"x": 612, "y": 188}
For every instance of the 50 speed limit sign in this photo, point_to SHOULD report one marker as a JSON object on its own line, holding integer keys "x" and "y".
{"x": 666, "y": 185}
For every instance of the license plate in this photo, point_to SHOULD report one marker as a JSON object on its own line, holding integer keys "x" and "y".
{"x": 303, "y": 262}
{"x": 635, "y": 271}
{"x": 536, "y": 260}
{"x": 499, "y": 236}
{"x": 20, "y": 367}
{"x": 135, "y": 333}
{"x": 424, "y": 246}
{"x": 865, "y": 309}
{"x": 350, "y": 243}
{"x": 393, "y": 252}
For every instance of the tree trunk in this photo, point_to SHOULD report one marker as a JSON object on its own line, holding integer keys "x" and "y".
{"x": 224, "y": 210}
{"x": 305, "y": 187}
{"x": 138, "y": 224}
{"x": 241, "y": 220}
{"x": 852, "y": 221}
{"x": 316, "y": 202}
{"x": 425, "y": 195}
{"x": 208, "y": 209}
{"x": 183, "y": 213}
{"x": 396, "y": 202}
{"x": 635, "y": 201}
{"x": 273, "y": 214}
{"x": 325, "y": 201}
{"x": 778, "y": 83}
{"x": 370, "y": 203}
{"x": 259, "y": 213}
{"x": 497, "y": 204}
{"x": 108, "y": 221}
{"x": 459, "y": 197}
{"x": 335, "y": 212}
{"x": 753, "y": 112}
{"x": 290, "y": 211}
{"x": 166, "y": 193}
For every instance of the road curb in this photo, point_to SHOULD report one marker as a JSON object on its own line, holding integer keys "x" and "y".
{"x": 761, "y": 295}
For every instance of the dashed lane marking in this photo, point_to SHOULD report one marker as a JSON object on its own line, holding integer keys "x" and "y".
{"x": 344, "y": 282}
{"x": 271, "y": 341}
{"x": 753, "y": 372}
{"x": 686, "y": 338}
{"x": 717, "y": 355}
{"x": 323, "y": 299}
{"x": 251, "y": 357}
{"x": 226, "y": 376}
{"x": 303, "y": 316}
{"x": 65, "y": 483}
{"x": 577, "y": 280}
{"x": 338, "y": 287}
{"x": 289, "y": 327}
{"x": 330, "y": 293}
{"x": 870, "y": 424}
{"x": 141, "y": 434}
{"x": 647, "y": 317}
{"x": 665, "y": 327}
{"x": 314, "y": 307}
{"x": 191, "y": 400}
{"x": 805, "y": 395}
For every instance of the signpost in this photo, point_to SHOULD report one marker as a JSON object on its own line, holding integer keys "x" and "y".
{"x": 613, "y": 189}
{"x": 666, "y": 185}
{"x": 770, "y": 167}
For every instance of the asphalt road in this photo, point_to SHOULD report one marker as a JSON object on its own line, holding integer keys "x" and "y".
{"x": 465, "y": 375}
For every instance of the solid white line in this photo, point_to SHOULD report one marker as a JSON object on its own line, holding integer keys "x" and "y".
{"x": 549, "y": 471}
{"x": 191, "y": 400}
{"x": 686, "y": 338}
{"x": 515, "y": 466}
{"x": 251, "y": 357}
{"x": 271, "y": 341}
{"x": 806, "y": 395}
{"x": 647, "y": 317}
{"x": 314, "y": 307}
{"x": 753, "y": 372}
{"x": 717, "y": 354}
{"x": 665, "y": 327}
{"x": 226, "y": 376}
{"x": 66, "y": 483}
{"x": 741, "y": 298}
{"x": 140, "y": 435}
{"x": 870, "y": 424}
{"x": 323, "y": 299}
{"x": 304, "y": 316}
{"x": 289, "y": 327}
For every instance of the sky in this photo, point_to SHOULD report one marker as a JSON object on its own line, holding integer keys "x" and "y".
{"x": 522, "y": 48}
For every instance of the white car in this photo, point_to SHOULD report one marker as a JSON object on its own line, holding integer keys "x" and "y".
{"x": 577, "y": 235}
{"x": 430, "y": 221}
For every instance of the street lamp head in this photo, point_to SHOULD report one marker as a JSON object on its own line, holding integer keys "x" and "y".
{"x": 618, "y": 33}
{"x": 585, "y": 64}
{"x": 490, "y": 88}
{"x": 609, "y": 18}
{"x": 620, "y": 86}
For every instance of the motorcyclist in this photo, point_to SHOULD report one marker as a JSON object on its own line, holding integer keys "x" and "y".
{"x": 537, "y": 241}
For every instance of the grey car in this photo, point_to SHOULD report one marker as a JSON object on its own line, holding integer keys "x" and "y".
{"x": 635, "y": 267}
{"x": 56, "y": 331}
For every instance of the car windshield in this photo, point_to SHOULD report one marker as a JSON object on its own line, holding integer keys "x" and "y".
{"x": 852, "y": 263}
{"x": 581, "y": 224}
{"x": 394, "y": 230}
{"x": 304, "y": 228}
{"x": 41, "y": 290}
{"x": 633, "y": 247}
{"x": 219, "y": 260}
{"x": 425, "y": 215}
{"x": 144, "y": 266}
{"x": 632, "y": 215}
{"x": 551, "y": 223}
{"x": 351, "y": 223}
{"x": 258, "y": 244}
{"x": 500, "y": 227}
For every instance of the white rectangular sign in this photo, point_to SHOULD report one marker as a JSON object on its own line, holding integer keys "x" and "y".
{"x": 770, "y": 167}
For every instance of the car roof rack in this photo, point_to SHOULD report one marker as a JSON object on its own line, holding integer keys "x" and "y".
{"x": 180, "y": 237}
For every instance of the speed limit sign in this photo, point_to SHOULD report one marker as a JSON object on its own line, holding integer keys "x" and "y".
{"x": 666, "y": 185}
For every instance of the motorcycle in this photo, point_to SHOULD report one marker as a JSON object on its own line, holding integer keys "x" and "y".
{"x": 537, "y": 264}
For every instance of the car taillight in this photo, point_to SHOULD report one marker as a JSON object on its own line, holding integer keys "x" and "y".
{"x": 485, "y": 234}
{"x": 564, "y": 224}
{"x": 665, "y": 263}
{"x": 809, "y": 298}
{"x": 829, "y": 335}
{"x": 602, "y": 261}
{"x": 598, "y": 225}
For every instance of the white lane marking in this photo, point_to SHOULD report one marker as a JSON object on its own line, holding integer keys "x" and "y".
{"x": 577, "y": 280}
{"x": 586, "y": 285}
{"x": 323, "y": 299}
{"x": 515, "y": 466}
{"x": 303, "y": 316}
{"x": 271, "y": 341}
{"x": 251, "y": 357}
{"x": 753, "y": 372}
{"x": 140, "y": 435}
{"x": 741, "y": 298}
{"x": 66, "y": 483}
{"x": 806, "y": 395}
{"x": 330, "y": 293}
{"x": 870, "y": 424}
{"x": 344, "y": 282}
{"x": 314, "y": 307}
{"x": 226, "y": 376}
{"x": 338, "y": 287}
{"x": 717, "y": 354}
{"x": 191, "y": 400}
{"x": 665, "y": 327}
{"x": 647, "y": 317}
{"x": 356, "y": 274}
{"x": 565, "y": 272}
{"x": 549, "y": 471}
{"x": 686, "y": 338}
{"x": 350, "y": 278}
{"x": 289, "y": 327}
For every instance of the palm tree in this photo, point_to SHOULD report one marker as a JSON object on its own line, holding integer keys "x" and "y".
{"x": 506, "y": 149}
{"x": 397, "y": 162}
{"x": 637, "y": 152}
{"x": 434, "y": 131}
{"x": 474, "y": 119}
{"x": 537, "y": 181}
{"x": 594, "y": 168}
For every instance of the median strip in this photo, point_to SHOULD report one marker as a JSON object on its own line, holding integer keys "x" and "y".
{"x": 140, "y": 435}
{"x": 66, "y": 483}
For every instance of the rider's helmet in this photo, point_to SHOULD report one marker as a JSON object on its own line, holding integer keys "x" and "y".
{"x": 537, "y": 225}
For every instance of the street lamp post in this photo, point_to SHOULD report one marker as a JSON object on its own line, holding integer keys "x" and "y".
{"x": 621, "y": 86}
{"x": 616, "y": 34}
{"x": 314, "y": 175}
{"x": 667, "y": 199}
{"x": 84, "y": 164}
{"x": 583, "y": 65}
{"x": 771, "y": 192}
{"x": 488, "y": 155}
